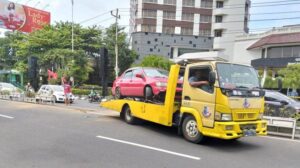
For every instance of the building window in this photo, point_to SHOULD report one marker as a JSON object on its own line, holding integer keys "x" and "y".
{"x": 188, "y": 3}
{"x": 218, "y": 33}
{"x": 148, "y": 28}
{"x": 149, "y": 13}
{"x": 205, "y": 19}
{"x": 148, "y": 42}
{"x": 186, "y": 31}
{"x": 283, "y": 52}
{"x": 263, "y": 52}
{"x": 169, "y": 15}
{"x": 219, "y": 4}
{"x": 168, "y": 30}
{"x": 187, "y": 17}
{"x": 204, "y": 32}
{"x": 149, "y": 1}
{"x": 219, "y": 19}
{"x": 170, "y": 2}
{"x": 206, "y": 4}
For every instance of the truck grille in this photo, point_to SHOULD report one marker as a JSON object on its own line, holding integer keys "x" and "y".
{"x": 243, "y": 116}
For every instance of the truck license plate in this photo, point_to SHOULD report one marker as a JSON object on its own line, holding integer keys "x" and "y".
{"x": 249, "y": 132}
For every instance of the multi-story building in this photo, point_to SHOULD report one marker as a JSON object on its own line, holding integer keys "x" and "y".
{"x": 171, "y": 27}
{"x": 230, "y": 19}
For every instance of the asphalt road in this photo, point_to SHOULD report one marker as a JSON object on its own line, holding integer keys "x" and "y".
{"x": 45, "y": 136}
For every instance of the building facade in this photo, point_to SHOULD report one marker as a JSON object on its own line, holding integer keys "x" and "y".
{"x": 181, "y": 23}
{"x": 229, "y": 19}
{"x": 220, "y": 20}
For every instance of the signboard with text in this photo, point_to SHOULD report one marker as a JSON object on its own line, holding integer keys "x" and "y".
{"x": 22, "y": 18}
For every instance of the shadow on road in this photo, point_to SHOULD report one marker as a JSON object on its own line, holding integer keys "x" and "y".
{"x": 231, "y": 146}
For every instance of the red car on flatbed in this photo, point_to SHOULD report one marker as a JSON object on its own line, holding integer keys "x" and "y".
{"x": 143, "y": 82}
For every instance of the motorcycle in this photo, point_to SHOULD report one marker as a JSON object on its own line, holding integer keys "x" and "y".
{"x": 94, "y": 98}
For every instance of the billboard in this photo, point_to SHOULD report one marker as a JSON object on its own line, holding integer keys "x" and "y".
{"x": 22, "y": 18}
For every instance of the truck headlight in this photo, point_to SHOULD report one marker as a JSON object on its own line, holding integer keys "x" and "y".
{"x": 161, "y": 84}
{"x": 223, "y": 116}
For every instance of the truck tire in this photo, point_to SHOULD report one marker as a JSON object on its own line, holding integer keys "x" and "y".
{"x": 118, "y": 94}
{"x": 190, "y": 130}
{"x": 128, "y": 117}
{"x": 148, "y": 93}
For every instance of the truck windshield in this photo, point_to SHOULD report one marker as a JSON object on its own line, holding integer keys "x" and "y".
{"x": 233, "y": 76}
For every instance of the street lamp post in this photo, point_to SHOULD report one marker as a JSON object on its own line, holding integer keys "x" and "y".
{"x": 72, "y": 1}
{"x": 117, "y": 16}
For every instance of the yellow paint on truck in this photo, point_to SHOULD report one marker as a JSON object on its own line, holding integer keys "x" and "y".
{"x": 194, "y": 102}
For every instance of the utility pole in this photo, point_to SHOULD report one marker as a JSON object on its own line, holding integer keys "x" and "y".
{"x": 117, "y": 16}
{"x": 72, "y": 1}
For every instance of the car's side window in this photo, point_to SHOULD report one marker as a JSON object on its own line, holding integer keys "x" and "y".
{"x": 269, "y": 99}
{"x": 128, "y": 75}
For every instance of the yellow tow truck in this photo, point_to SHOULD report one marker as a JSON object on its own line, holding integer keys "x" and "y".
{"x": 230, "y": 107}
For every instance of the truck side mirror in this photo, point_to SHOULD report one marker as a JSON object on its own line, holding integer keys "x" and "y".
{"x": 212, "y": 78}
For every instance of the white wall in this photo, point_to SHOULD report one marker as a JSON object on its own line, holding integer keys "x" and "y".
{"x": 230, "y": 29}
{"x": 178, "y": 15}
{"x": 244, "y": 56}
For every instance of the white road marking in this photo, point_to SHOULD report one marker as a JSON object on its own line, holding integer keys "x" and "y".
{"x": 151, "y": 148}
{"x": 6, "y": 116}
{"x": 282, "y": 139}
{"x": 102, "y": 114}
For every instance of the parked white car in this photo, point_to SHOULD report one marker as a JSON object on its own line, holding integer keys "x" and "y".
{"x": 53, "y": 92}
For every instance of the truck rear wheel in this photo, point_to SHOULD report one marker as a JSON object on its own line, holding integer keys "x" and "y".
{"x": 128, "y": 116}
{"x": 190, "y": 130}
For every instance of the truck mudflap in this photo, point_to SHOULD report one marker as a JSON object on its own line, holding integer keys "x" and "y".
{"x": 234, "y": 130}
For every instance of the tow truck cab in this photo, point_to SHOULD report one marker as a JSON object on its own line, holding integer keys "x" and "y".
{"x": 230, "y": 107}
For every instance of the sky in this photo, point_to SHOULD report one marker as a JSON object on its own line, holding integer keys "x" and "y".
{"x": 61, "y": 10}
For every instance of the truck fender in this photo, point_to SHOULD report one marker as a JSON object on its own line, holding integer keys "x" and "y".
{"x": 189, "y": 112}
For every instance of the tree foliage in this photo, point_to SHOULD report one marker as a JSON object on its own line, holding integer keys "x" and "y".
{"x": 52, "y": 46}
{"x": 291, "y": 76}
{"x": 156, "y": 61}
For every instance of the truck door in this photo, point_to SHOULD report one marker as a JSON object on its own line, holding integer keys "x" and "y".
{"x": 199, "y": 94}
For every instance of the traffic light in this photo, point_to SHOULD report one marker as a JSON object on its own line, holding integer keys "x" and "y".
{"x": 32, "y": 71}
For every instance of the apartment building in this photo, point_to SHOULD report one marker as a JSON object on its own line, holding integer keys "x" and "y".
{"x": 229, "y": 19}
{"x": 200, "y": 25}
{"x": 171, "y": 27}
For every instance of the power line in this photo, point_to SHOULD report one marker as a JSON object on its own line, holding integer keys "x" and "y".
{"x": 260, "y": 4}
{"x": 92, "y": 18}
{"x": 104, "y": 20}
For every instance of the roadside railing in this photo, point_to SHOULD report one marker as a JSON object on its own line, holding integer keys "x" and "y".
{"x": 23, "y": 98}
{"x": 282, "y": 126}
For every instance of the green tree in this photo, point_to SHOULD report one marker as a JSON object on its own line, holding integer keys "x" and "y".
{"x": 126, "y": 56}
{"x": 291, "y": 76}
{"x": 156, "y": 61}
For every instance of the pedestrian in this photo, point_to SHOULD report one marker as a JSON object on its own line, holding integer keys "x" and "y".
{"x": 67, "y": 90}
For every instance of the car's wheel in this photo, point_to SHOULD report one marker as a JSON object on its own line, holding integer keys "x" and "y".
{"x": 128, "y": 116}
{"x": 190, "y": 130}
{"x": 148, "y": 93}
{"x": 118, "y": 94}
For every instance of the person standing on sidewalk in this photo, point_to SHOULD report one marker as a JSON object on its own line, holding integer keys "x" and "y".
{"x": 67, "y": 90}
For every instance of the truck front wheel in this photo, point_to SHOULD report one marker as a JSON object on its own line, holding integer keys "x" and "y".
{"x": 190, "y": 130}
